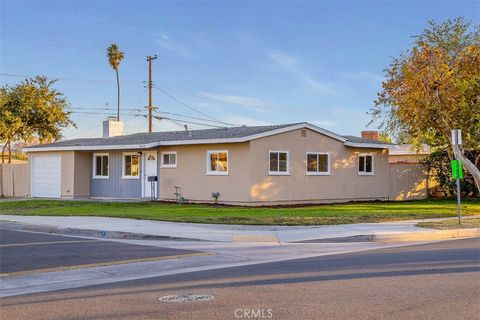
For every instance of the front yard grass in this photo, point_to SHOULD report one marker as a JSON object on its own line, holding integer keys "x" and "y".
{"x": 451, "y": 224}
{"x": 196, "y": 213}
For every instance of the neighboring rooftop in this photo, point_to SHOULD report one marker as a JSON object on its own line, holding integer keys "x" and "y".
{"x": 218, "y": 135}
{"x": 408, "y": 149}
{"x": 363, "y": 140}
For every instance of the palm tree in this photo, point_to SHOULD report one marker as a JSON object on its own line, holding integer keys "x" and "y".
{"x": 114, "y": 56}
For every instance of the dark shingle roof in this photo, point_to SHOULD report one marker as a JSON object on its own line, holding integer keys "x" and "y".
{"x": 146, "y": 138}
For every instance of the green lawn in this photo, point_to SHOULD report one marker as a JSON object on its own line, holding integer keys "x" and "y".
{"x": 452, "y": 224}
{"x": 307, "y": 215}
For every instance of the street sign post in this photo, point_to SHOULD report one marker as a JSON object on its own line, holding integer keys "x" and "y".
{"x": 457, "y": 172}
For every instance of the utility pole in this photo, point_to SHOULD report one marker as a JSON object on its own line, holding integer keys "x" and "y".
{"x": 150, "y": 86}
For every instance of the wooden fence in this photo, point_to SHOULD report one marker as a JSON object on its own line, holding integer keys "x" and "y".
{"x": 14, "y": 179}
{"x": 410, "y": 181}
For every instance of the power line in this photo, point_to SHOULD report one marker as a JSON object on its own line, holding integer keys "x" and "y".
{"x": 104, "y": 113}
{"x": 192, "y": 108}
{"x": 141, "y": 83}
{"x": 190, "y": 122}
{"x": 190, "y": 117}
{"x": 126, "y": 83}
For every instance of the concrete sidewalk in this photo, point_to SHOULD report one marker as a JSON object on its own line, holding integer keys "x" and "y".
{"x": 145, "y": 229}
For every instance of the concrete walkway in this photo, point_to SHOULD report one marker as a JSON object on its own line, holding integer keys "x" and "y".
{"x": 217, "y": 232}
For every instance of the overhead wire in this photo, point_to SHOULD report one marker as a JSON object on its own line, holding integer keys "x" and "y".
{"x": 186, "y": 121}
{"x": 191, "y": 108}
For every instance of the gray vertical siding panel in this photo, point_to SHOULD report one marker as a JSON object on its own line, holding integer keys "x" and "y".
{"x": 115, "y": 186}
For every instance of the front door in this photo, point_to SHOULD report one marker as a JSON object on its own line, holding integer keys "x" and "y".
{"x": 151, "y": 170}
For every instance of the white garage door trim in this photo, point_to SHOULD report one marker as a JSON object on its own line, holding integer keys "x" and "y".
{"x": 45, "y": 176}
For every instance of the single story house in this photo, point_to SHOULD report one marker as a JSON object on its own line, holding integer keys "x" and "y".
{"x": 277, "y": 164}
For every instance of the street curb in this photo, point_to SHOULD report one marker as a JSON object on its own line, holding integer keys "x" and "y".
{"x": 390, "y": 237}
{"x": 88, "y": 232}
{"x": 402, "y": 237}
{"x": 428, "y": 236}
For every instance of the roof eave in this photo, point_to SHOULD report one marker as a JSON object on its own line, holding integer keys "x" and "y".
{"x": 366, "y": 145}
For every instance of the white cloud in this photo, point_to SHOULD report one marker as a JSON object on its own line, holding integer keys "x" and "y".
{"x": 243, "y": 101}
{"x": 290, "y": 64}
{"x": 282, "y": 59}
{"x": 166, "y": 42}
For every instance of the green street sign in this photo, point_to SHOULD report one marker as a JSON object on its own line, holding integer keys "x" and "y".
{"x": 457, "y": 172}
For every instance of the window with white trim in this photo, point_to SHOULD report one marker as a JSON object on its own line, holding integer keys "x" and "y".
{"x": 217, "y": 162}
{"x": 131, "y": 165}
{"x": 169, "y": 159}
{"x": 278, "y": 163}
{"x": 318, "y": 163}
{"x": 365, "y": 164}
{"x": 100, "y": 165}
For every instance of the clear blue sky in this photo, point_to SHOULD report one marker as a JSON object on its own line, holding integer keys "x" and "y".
{"x": 240, "y": 62}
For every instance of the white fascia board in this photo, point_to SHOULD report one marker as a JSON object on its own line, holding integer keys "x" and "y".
{"x": 366, "y": 145}
{"x": 92, "y": 148}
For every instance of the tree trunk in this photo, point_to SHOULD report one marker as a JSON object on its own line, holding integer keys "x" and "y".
{"x": 3, "y": 151}
{"x": 118, "y": 96}
{"x": 468, "y": 165}
{"x": 9, "y": 152}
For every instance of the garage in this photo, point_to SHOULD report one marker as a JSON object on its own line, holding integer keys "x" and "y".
{"x": 45, "y": 176}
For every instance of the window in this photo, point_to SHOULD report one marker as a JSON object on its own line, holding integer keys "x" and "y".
{"x": 130, "y": 165}
{"x": 169, "y": 159}
{"x": 100, "y": 165}
{"x": 217, "y": 162}
{"x": 278, "y": 163}
{"x": 318, "y": 163}
{"x": 365, "y": 165}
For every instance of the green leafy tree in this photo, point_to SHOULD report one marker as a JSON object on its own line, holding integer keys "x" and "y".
{"x": 114, "y": 56}
{"x": 32, "y": 110}
{"x": 434, "y": 88}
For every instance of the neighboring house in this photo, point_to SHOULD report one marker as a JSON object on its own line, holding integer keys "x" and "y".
{"x": 405, "y": 153}
{"x": 291, "y": 163}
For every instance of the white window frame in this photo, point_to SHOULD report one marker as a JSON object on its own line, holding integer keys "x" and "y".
{"x": 279, "y": 173}
{"x": 364, "y": 173}
{"x": 316, "y": 173}
{"x": 94, "y": 166}
{"x": 163, "y": 165}
{"x": 123, "y": 165}
{"x": 217, "y": 173}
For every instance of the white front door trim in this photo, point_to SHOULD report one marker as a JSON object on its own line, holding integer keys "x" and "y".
{"x": 150, "y": 160}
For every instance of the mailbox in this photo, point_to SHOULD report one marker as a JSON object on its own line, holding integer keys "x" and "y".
{"x": 152, "y": 178}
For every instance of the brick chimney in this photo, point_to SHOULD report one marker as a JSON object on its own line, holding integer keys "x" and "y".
{"x": 371, "y": 135}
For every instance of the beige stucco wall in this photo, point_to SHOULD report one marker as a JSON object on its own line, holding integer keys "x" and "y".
{"x": 67, "y": 180}
{"x": 344, "y": 183}
{"x": 191, "y": 173}
{"x": 249, "y": 180}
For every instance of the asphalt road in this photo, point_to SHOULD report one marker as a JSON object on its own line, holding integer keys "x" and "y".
{"x": 432, "y": 281}
{"x": 22, "y": 251}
